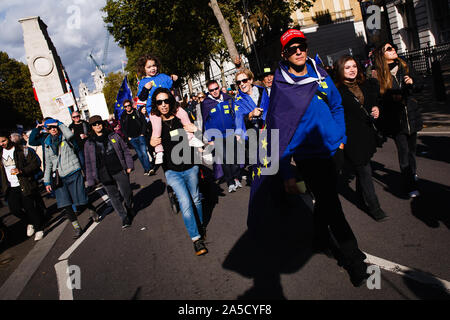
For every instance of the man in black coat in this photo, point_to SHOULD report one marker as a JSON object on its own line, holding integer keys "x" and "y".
{"x": 134, "y": 128}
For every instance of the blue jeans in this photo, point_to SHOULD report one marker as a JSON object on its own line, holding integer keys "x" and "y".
{"x": 185, "y": 186}
{"x": 140, "y": 146}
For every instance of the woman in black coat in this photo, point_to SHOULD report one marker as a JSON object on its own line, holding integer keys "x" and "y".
{"x": 360, "y": 101}
{"x": 401, "y": 118}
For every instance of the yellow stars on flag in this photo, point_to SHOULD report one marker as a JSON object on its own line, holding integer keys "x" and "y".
{"x": 265, "y": 162}
{"x": 236, "y": 108}
{"x": 259, "y": 172}
{"x": 264, "y": 143}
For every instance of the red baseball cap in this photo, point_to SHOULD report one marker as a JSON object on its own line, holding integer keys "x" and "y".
{"x": 289, "y": 35}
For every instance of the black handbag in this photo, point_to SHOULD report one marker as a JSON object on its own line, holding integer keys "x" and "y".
{"x": 56, "y": 180}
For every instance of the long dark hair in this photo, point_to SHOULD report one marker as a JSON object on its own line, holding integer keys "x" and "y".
{"x": 173, "y": 106}
{"x": 339, "y": 70}
{"x": 383, "y": 73}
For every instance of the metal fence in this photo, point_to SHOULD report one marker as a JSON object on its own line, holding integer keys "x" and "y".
{"x": 422, "y": 59}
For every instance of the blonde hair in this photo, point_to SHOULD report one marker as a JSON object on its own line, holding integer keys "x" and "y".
{"x": 247, "y": 72}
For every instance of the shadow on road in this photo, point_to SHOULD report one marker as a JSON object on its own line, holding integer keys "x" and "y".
{"x": 280, "y": 244}
{"x": 434, "y": 148}
{"x": 434, "y": 290}
{"x": 433, "y": 205}
{"x": 145, "y": 196}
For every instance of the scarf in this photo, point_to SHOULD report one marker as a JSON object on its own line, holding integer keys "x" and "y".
{"x": 356, "y": 90}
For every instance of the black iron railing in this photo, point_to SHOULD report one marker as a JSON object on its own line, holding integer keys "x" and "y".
{"x": 422, "y": 59}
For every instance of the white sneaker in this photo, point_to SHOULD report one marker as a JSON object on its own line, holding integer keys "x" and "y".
{"x": 30, "y": 230}
{"x": 414, "y": 194}
{"x": 231, "y": 188}
{"x": 237, "y": 183}
{"x": 195, "y": 142}
{"x": 39, "y": 235}
{"x": 159, "y": 158}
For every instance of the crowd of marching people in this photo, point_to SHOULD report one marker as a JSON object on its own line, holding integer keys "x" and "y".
{"x": 324, "y": 125}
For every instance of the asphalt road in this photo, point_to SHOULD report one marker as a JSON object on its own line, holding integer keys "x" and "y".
{"x": 154, "y": 258}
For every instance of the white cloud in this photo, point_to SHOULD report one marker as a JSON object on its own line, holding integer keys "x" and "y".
{"x": 75, "y": 27}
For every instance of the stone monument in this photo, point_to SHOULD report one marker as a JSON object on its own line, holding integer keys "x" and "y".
{"x": 50, "y": 81}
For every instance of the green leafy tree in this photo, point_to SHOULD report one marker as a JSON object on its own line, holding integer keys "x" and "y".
{"x": 17, "y": 102}
{"x": 185, "y": 34}
{"x": 113, "y": 81}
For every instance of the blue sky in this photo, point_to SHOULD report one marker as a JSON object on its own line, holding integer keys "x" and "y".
{"x": 76, "y": 28}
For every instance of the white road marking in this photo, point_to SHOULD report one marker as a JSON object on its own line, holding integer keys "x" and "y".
{"x": 61, "y": 267}
{"x": 75, "y": 245}
{"x": 417, "y": 275}
{"x": 432, "y": 132}
{"x": 65, "y": 293}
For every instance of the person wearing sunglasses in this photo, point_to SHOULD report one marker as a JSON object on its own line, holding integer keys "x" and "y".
{"x": 400, "y": 117}
{"x": 134, "y": 127}
{"x": 252, "y": 103}
{"x": 61, "y": 158}
{"x": 306, "y": 110}
{"x": 182, "y": 177}
{"x": 217, "y": 112}
{"x": 149, "y": 66}
{"x": 80, "y": 128}
{"x": 109, "y": 162}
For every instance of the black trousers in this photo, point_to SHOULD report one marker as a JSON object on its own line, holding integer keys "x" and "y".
{"x": 24, "y": 207}
{"x": 406, "y": 149}
{"x": 321, "y": 178}
{"x": 364, "y": 186}
{"x": 232, "y": 170}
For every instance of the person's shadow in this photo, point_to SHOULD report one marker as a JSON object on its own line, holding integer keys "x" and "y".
{"x": 144, "y": 197}
{"x": 281, "y": 243}
{"x": 433, "y": 204}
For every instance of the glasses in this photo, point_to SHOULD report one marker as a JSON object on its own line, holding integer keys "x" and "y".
{"x": 292, "y": 50}
{"x": 238, "y": 82}
{"x": 73, "y": 117}
{"x": 160, "y": 102}
{"x": 390, "y": 49}
{"x": 52, "y": 127}
{"x": 128, "y": 105}
{"x": 97, "y": 123}
{"x": 214, "y": 89}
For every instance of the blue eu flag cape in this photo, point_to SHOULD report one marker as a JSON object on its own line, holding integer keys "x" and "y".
{"x": 289, "y": 100}
{"x": 123, "y": 94}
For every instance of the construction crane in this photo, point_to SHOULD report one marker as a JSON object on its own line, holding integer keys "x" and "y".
{"x": 105, "y": 55}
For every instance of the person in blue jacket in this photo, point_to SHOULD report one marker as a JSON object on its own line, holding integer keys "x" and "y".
{"x": 305, "y": 107}
{"x": 221, "y": 118}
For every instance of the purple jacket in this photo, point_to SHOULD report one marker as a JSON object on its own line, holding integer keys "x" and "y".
{"x": 122, "y": 152}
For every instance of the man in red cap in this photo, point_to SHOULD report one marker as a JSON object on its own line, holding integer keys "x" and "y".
{"x": 306, "y": 109}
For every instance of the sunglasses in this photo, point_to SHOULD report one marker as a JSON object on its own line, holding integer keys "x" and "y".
{"x": 97, "y": 123}
{"x": 73, "y": 117}
{"x": 238, "y": 82}
{"x": 52, "y": 127}
{"x": 160, "y": 102}
{"x": 128, "y": 105}
{"x": 214, "y": 89}
{"x": 292, "y": 50}
{"x": 390, "y": 49}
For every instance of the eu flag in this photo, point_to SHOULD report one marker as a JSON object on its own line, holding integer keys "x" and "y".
{"x": 123, "y": 94}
